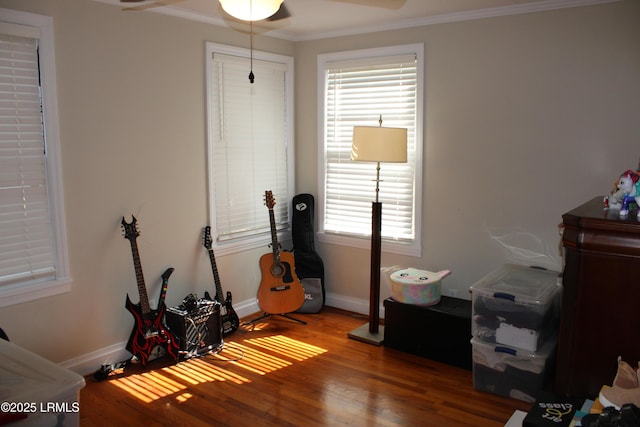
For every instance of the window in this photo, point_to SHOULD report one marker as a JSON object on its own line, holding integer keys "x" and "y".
{"x": 355, "y": 89}
{"x": 250, "y": 149}
{"x": 33, "y": 254}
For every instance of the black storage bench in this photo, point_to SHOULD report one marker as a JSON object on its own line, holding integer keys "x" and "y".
{"x": 440, "y": 332}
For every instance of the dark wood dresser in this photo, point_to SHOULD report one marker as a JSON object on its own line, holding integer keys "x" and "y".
{"x": 600, "y": 317}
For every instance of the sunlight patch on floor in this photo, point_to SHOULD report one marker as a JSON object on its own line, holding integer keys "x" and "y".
{"x": 294, "y": 349}
{"x": 148, "y": 386}
{"x": 260, "y": 356}
{"x": 257, "y": 361}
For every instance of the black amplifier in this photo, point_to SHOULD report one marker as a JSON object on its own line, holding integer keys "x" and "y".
{"x": 197, "y": 325}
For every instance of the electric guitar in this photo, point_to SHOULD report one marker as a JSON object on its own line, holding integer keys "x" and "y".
{"x": 150, "y": 337}
{"x": 280, "y": 289}
{"x": 230, "y": 320}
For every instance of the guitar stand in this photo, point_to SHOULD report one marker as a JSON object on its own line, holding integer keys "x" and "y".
{"x": 265, "y": 315}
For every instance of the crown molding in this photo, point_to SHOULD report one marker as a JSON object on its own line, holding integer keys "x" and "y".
{"x": 516, "y": 9}
{"x": 448, "y": 18}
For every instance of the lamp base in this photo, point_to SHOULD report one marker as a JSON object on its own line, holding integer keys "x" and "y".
{"x": 362, "y": 334}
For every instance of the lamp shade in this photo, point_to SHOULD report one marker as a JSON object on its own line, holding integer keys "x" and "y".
{"x": 251, "y": 10}
{"x": 378, "y": 144}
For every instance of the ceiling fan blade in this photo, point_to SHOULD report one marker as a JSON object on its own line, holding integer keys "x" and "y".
{"x": 385, "y": 4}
{"x": 281, "y": 13}
{"x": 146, "y": 4}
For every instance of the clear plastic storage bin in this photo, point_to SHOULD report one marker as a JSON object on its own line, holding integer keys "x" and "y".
{"x": 510, "y": 371}
{"x": 40, "y": 393}
{"x": 517, "y": 306}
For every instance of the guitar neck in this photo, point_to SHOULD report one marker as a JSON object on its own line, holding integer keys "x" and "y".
{"x": 142, "y": 289}
{"x": 216, "y": 277}
{"x": 275, "y": 246}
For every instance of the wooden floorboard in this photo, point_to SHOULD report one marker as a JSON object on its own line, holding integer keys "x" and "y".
{"x": 281, "y": 373}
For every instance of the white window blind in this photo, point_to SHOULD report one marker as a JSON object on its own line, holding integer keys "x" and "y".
{"x": 33, "y": 250}
{"x": 26, "y": 240}
{"x": 357, "y": 93}
{"x": 248, "y": 143}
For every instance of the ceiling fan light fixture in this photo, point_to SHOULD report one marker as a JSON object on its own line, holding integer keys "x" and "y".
{"x": 251, "y": 10}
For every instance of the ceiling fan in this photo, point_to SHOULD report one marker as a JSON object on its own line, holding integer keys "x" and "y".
{"x": 281, "y": 13}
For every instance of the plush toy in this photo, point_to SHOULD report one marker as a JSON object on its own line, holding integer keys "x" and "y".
{"x": 629, "y": 185}
{"x": 614, "y": 200}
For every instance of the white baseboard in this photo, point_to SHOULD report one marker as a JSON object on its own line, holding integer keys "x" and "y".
{"x": 355, "y": 305}
{"x": 246, "y": 308}
{"x": 89, "y": 363}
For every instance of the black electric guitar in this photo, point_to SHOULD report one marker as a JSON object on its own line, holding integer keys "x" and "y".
{"x": 230, "y": 320}
{"x": 280, "y": 289}
{"x": 150, "y": 337}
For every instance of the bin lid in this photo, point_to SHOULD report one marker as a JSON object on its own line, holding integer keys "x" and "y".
{"x": 519, "y": 283}
{"x": 28, "y": 377}
{"x": 414, "y": 276}
{"x": 515, "y": 353}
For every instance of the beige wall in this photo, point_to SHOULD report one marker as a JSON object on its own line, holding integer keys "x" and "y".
{"x": 131, "y": 94}
{"x": 526, "y": 116}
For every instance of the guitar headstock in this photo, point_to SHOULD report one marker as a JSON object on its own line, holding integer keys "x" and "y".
{"x": 130, "y": 229}
{"x": 206, "y": 237}
{"x": 269, "y": 200}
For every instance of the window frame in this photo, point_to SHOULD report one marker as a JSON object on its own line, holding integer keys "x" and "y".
{"x": 32, "y": 289}
{"x": 409, "y": 247}
{"x": 257, "y": 240}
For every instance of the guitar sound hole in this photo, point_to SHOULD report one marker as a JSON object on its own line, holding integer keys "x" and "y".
{"x": 277, "y": 270}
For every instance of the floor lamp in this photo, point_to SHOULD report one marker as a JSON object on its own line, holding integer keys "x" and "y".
{"x": 376, "y": 144}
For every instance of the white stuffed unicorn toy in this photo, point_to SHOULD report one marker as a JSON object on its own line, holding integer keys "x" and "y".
{"x": 629, "y": 184}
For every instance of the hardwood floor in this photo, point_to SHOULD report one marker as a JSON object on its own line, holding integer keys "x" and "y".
{"x": 280, "y": 373}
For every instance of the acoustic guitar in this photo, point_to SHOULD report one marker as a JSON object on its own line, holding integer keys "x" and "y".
{"x": 280, "y": 289}
{"x": 150, "y": 337}
{"x": 230, "y": 320}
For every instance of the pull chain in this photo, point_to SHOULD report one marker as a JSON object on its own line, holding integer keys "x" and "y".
{"x": 251, "y": 76}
